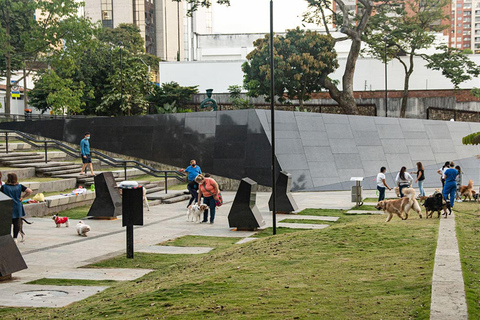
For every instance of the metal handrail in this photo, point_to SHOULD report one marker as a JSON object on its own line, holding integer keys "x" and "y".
{"x": 22, "y": 136}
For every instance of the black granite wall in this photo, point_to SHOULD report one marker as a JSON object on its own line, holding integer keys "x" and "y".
{"x": 231, "y": 144}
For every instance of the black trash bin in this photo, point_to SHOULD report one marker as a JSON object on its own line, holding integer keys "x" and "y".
{"x": 28, "y": 114}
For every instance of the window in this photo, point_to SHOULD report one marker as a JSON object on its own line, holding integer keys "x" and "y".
{"x": 467, "y": 20}
{"x": 458, "y": 39}
{"x": 107, "y": 13}
{"x": 467, "y": 25}
{"x": 459, "y": 18}
{"x": 466, "y": 45}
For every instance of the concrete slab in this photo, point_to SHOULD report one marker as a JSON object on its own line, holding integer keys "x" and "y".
{"x": 365, "y": 212}
{"x": 302, "y": 225}
{"x": 116, "y": 274}
{"x": 176, "y": 250}
{"x": 39, "y": 296}
{"x": 245, "y": 240}
{"x": 281, "y": 217}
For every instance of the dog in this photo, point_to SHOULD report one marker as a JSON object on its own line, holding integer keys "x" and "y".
{"x": 422, "y": 198}
{"x": 195, "y": 212}
{"x": 145, "y": 200}
{"x": 60, "y": 220}
{"x": 397, "y": 191}
{"x": 436, "y": 203}
{"x": 400, "y": 207}
{"x": 466, "y": 191}
{"x": 20, "y": 228}
{"x": 82, "y": 228}
{"x": 475, "y": 195}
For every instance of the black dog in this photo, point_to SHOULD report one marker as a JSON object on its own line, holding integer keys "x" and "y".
{"x": 436, "y": 203}
{"x": 20, "y": 227}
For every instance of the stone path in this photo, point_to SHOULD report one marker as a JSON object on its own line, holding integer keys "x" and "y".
{"x": 365, "y": 212}
{"x": 448, "y": 290}
{"x": 115, "y": 274}
{"x": 176, "y": 250}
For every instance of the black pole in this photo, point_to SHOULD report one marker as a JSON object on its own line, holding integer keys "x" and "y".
{"x": 46, "y": 160}
{"x": 129, "y": 241}
{"x": 125, "y": 169}
{"x": 386, "y": 87}
{"x": 272, "y": 110}
{"x": 120, "y": 43}
{"x": 166, "y": 183}
{"x": 6, "y": 141}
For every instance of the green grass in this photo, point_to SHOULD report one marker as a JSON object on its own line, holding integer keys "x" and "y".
{"x": 267, "y": 232}
{"x": 365, "y": 208}
{"x": 467, "y": 219}
{"x": 73, "y": 282}
{"x": 75, "y": 213}
{"x": 359, "y": 268}
{"x": 323, "y": 212}
{"x": 376, "y": 199}
{"x": 41, "y": 179}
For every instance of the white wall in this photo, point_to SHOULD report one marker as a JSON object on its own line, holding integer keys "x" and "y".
{"x": 369, "y": 75}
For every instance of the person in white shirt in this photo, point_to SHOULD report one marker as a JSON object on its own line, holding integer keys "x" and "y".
{"x": 382, "y": 184}
{"x": 441, "y": 172}
{"x": 403, "y": 180}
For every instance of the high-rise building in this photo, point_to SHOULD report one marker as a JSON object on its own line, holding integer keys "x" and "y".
{"x": 463, "y": 25}
{"x": 160, "y": 21}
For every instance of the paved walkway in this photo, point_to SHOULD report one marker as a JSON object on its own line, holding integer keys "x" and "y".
{"x": 52, "y": 252}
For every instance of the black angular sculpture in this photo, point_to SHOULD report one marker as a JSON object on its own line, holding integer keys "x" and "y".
{"x": 108, "y": 202}
{"x": 11, "y": 259}
{"x": 244, "y": 214}
{"x": 132, "y": 213}
{"x": 285, "y": 202}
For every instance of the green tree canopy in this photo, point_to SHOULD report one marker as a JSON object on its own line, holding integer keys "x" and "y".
{"x": 171, "y": 93}
{"x": 302, "y": 60}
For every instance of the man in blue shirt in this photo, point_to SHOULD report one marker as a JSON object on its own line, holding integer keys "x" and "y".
{"x": 193, "y": 171}
{"x": 450, "y": 187}
{"x": 85, "y": 150}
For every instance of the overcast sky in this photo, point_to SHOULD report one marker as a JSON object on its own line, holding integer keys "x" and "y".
{"x": 253, "y": 16}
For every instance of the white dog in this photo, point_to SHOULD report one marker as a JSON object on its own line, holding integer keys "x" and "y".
{"x": 82, "y": 228}
{"x": 195, "y": 212}
{"x": 145, "y": 200}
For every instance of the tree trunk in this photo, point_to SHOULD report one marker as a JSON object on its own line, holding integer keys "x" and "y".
{"x": 406, "y": 85}
{"x": 8, "y": 59}
{"x": 25, "y": 94}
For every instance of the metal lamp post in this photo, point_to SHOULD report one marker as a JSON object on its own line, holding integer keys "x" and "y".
{"x": 272, "y": 111}
{"x": 385, "y": 39}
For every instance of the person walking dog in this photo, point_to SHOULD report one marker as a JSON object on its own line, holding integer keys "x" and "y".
{"x": 193, "y": 170}
{"x": 208, "y": 189}
{"x": 85, "y": 151}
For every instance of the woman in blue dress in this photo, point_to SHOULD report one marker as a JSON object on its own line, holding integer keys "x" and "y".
{"x": 14, "y": 190}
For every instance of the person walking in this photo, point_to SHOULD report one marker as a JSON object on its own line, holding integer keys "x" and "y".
{"x": 403, "y": 180}
{"x": 458, "y": 196}
{"x": 14, "y": 190}
{"x": 85, "y": 151}
{"x": 441, "y": 172}
{"x": 208, "y": 189}
{"x": 382, "y": 184}
{"x": 420, "y": 178}
{"x": 450, "y": 187}
{"x": 193, "y": 170}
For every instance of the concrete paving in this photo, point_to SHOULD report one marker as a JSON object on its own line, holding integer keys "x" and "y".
{"x": 115, "y": 274}
{"x": 302, "y": 225}
{"x": 281, "y": 217}
{"x": 365, "y": 212}
{"x": 176, "y": 250}
{"x": 448, "y": 290}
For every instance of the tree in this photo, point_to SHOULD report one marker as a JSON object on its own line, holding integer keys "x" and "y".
{"x": 409, "y": 26}
{"x": 302, "y": 59}
{"x": 195, "y": 4}
{"x": 171, "y": 93}
{"x": 126, "y": 33}
{"x": 236, "y": 99}
{"x": 351, "y": 22}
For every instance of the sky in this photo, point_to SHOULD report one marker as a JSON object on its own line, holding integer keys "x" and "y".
{"x": 249, "y": 16}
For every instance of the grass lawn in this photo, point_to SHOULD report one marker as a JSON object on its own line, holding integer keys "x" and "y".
{"x": 73, "y": 282}
{"x": 41, "y": 179}
{"x": 219, "y": 243}
{"x": 376, "y": 199}
{"x": 293, "y": 220}
{"x": 75, "y": 213}
{"x": 467, "y": 218}
{"x": 365, "y": 207}
{"x": 358, "y": 268}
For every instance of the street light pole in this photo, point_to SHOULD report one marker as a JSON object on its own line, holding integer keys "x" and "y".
{"x": 385, "y": 39}
{"x": 272, "y": 111}
{"x": 120, "y": 43}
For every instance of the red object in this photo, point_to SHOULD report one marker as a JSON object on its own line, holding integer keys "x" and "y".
{"x": 60, "y": 220}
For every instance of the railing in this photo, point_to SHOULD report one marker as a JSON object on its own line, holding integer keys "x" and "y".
{"x": 45, "y": 144}
{"x": 30, "y": 116}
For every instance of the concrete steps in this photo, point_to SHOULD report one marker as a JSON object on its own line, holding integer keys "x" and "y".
{"x": 54, "y": 167}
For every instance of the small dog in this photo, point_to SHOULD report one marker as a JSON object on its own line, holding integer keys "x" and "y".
{"x": 82, "y": 228}
{"x": 467, "y": 191}
{"x": 397, "y": 191}
{"x": 195, "y": 212}
{"x": 401, "y": 206}
{"x": 60, "y": 220}
{"x": 422, "y": 198}
{"x": 20, "y": 228}
{"x": 475, "y": 195}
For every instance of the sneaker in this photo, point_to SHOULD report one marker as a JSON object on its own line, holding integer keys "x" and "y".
{"x": 203, "y": 221}
{"x": 458, "y": 201}
{"x": 15, "y": 240}
{"x": 211, "y": 222}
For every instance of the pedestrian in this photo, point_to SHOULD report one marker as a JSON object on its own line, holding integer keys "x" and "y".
{"x": 85, "y": 150}
{"x": 382, "y": 184}
{"x": 14, "y": 190}
{"x": 441, "y": 172}
{"x": 403, "y": 180}
{"x": 208, "y": 188}
{"x": 193, "y": 170}
{"x": 458, "y": 196}
{"x": 450, "y": 187}
{"x": 1, "y": 182}
{"x": 420, "y": 178}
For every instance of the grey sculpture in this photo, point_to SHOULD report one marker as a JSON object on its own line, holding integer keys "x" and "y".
{"x": 108, "y": 202}
{"x": 244, "y": 214}
{"x": 285, "y": 202}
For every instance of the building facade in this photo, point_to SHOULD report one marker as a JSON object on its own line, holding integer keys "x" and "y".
{"x": 161, "y": 22}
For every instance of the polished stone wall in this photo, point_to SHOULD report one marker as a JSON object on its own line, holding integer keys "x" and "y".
{"x": 321, "y": 151}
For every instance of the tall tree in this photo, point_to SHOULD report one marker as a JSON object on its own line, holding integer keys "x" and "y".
{"x": 351, "y": 21}
{"x": 302, "y": 59}
{"x": 195, "y": 4}
{"x": 405, "y": 27}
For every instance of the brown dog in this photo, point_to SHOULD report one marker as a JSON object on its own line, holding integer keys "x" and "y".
{"x": 466, "y": 191}
{"x": 400, "y": 207}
